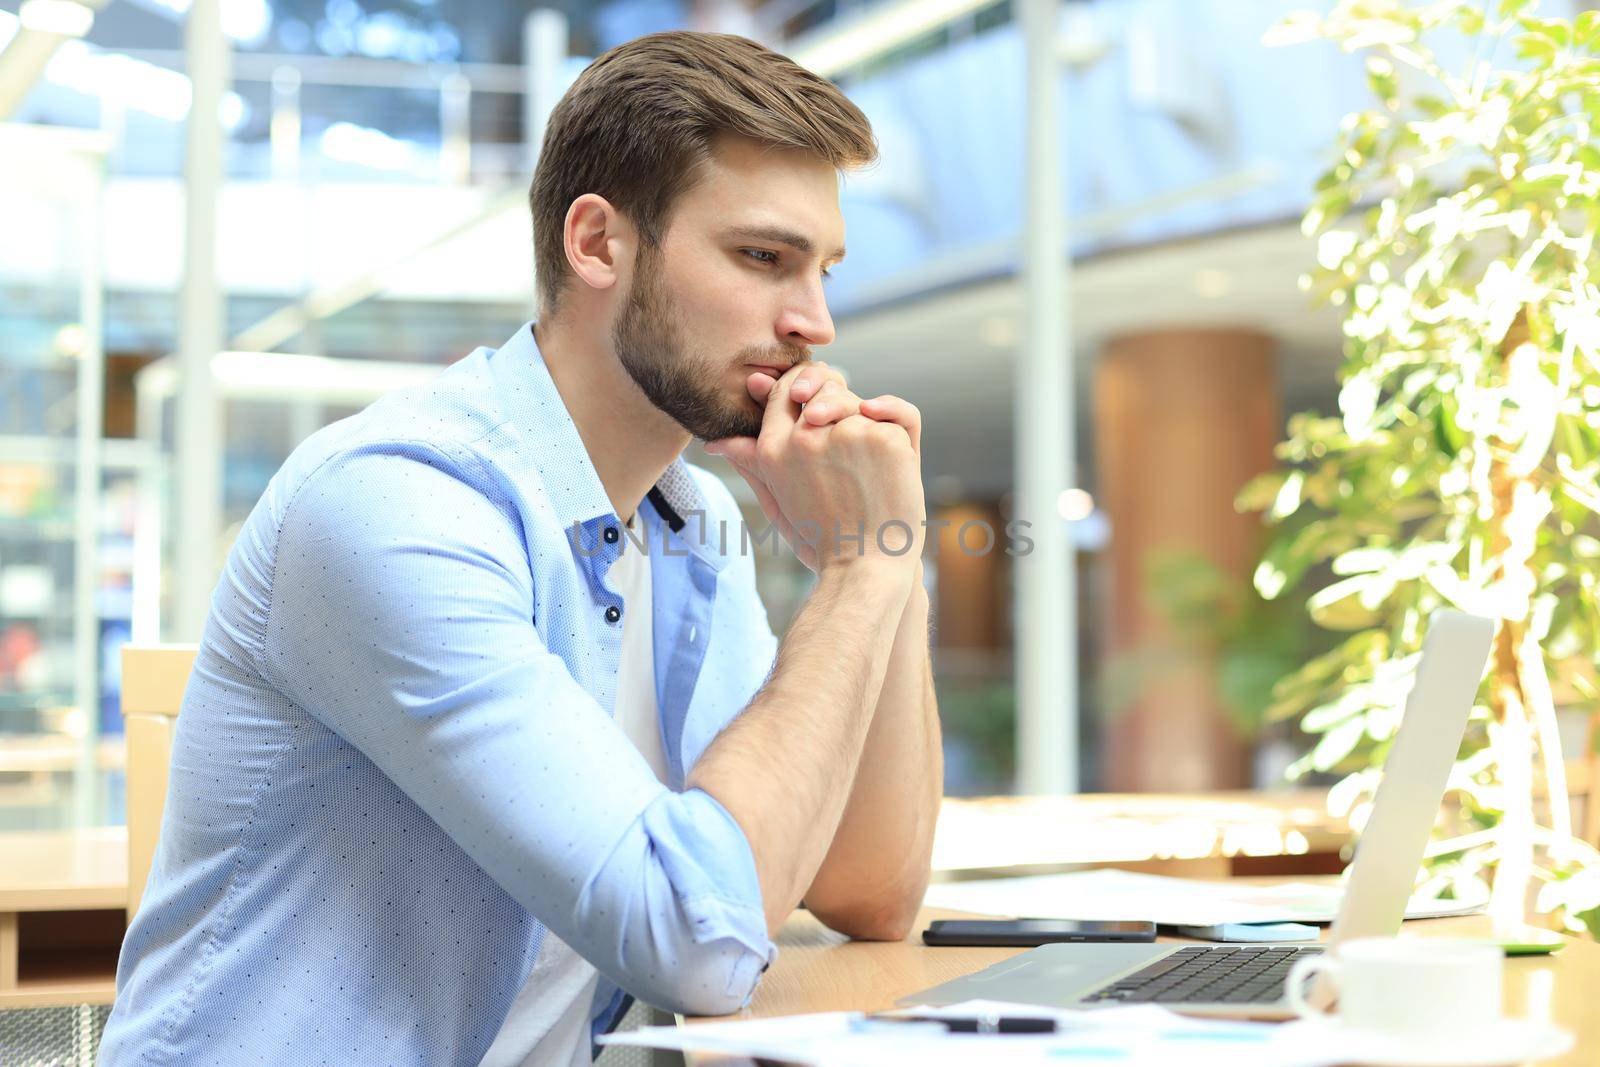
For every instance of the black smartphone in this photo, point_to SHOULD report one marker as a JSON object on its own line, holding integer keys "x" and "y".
{"x": 1029, "y": 932}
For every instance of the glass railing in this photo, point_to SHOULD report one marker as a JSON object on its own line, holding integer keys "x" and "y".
{"x": 1180, "y": 122}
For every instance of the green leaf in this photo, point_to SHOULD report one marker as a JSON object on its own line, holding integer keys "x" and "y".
{"x": 1430, "y": 106}
{"x": 1288, "y": 558}
{"x": 1447, "y": 435}
{"x": 1587, "y": 32}
{"x": 1337, "y": 743}
{"x": 1328, "y": 208}
{"x": 1343, "y": 606}
{"x": 1287, "y": 500}
{"x": 1321, "y": 720}
{"x": 1555, "y": 31}
{"x": 1297, "y": 27}
{"x": 1535, "y": 47}
{"x": 1244, "y": 684}
{"x": 1259, "y": 492}
{"x": 1444, "y": 218}
{"x": 1381, "y": 80}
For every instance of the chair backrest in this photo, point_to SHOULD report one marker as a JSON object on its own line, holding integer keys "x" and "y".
{"x": 153, "y": 680}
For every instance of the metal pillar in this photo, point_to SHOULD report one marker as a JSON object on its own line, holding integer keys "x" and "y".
{"x": 150, "y": 418}
{"x": 455, "y": 129}
{"x": 284, "y": 129}
{"x": 544, "y": 51}
{"x": 86, "y": 520}
{"x": 1046, "y": 586}
{"x": 198, "y": 462}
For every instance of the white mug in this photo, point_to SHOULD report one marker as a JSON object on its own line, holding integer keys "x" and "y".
{"x": 1411, "y": 987}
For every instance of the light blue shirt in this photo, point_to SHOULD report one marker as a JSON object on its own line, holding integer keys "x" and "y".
{"x": 396, "y": 765}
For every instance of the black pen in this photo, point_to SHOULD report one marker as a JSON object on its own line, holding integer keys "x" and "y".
{"x": 988, "y": 1024}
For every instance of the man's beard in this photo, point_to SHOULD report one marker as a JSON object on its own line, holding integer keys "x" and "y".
{"x": 649, "y": 340}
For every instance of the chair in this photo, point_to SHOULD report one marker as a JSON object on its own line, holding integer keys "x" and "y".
{"x": 153, "y": 681}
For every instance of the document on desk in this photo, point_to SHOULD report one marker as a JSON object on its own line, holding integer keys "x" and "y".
{"x": 1112, "y": 894}
{"x": 1133, "y": 1036}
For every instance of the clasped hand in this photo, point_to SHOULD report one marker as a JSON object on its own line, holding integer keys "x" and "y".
{"x": 839, "y": 476}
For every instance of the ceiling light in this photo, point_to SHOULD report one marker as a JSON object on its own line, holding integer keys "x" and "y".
{"x": 859, "y": 40}
{"x": 71, "y": 340}
{"x": 60, "y": 17}
{"x": 350, "y": 143}
{"x": 246, "y": 21}
{"x": 1075, "y": 505}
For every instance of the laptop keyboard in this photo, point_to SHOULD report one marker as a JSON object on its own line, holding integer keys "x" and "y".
{"x": 1209, "y": 974}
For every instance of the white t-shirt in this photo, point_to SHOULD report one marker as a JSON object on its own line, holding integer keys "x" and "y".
{"x": 637, "y": 713}
{"x": 549, "y": 1021}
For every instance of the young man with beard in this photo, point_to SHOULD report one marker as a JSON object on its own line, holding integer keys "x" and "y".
{"x": 461, "y": 767}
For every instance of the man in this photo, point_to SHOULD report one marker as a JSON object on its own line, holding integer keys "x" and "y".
{"x": 463, "y": 764}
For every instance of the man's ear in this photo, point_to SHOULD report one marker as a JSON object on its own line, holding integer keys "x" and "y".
{"x": 598, "y": 241}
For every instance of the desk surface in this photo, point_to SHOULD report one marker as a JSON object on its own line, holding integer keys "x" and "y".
{"x": 64, "y": 870}
{"x": 54, "y": 753}
{"x": 1102, "y": 828}
{"x": 819, "y": 970}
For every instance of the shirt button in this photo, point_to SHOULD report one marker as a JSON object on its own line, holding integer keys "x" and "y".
{"x": 613, "y": 613}
{"x": 611, "y": 535}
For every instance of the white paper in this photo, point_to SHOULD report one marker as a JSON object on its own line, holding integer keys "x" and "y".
{"x": 1133, "y": 1036}
{"x": 1125, "y": 895}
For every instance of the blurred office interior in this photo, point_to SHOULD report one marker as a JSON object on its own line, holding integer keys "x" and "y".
{"x": 356, "y": 219}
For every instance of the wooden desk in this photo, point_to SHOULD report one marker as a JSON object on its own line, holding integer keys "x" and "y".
{"x": 59, "y": 890}
{"x": 58, "y": 753}
{"x": 819, "y": 970}
{"x": 1195, "y": 834}
{"x": 63, "y": 901}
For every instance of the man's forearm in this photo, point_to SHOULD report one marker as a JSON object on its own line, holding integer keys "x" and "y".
{"x": 784, "y": 767}
{"x": 872, "y": 881}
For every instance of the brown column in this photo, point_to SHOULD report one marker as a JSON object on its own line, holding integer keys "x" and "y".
{"x": 971, "y": 557}
{"x": 1183, "y": 419}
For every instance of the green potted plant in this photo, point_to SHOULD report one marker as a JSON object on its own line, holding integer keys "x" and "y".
{"x": 1456, "y": 232}
{"x": 1216, "y": 626}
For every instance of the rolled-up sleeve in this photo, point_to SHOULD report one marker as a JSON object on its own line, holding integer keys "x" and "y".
{"x": 402, "y": 617}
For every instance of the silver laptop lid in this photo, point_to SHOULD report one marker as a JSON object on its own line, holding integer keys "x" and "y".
{"x": 1393, "y": 843}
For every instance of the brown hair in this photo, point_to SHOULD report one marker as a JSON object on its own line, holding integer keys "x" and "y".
{"x": 639, "y": 121}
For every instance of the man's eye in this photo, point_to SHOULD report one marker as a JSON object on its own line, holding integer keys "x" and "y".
{"x": 769, "y": 258}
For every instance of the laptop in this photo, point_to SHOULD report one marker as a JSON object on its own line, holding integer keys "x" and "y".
{"x": 1247, "y": 980}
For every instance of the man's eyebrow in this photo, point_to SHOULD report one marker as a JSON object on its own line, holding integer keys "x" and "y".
{"x": 797, "y": 241}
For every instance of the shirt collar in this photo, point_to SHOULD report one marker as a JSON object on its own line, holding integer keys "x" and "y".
{"x": 571, "y": 483}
